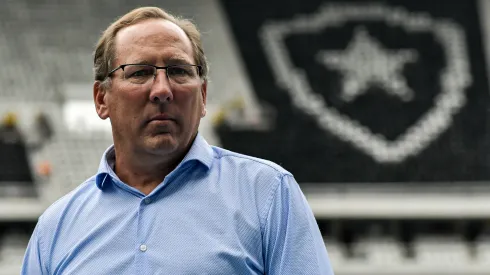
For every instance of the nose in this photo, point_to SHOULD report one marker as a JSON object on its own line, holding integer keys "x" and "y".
{"x": 160, "y": 90}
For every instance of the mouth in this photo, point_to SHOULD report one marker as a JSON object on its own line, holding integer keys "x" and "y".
{"x": 163, "y": 122}
{"x": 160, "y": 121}
{"x": 161, "y": 117}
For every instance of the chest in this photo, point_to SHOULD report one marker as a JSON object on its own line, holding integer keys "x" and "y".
{"x": 201, "y": 236}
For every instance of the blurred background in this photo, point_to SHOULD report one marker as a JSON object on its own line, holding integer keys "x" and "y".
{"x": 380, "y": 110}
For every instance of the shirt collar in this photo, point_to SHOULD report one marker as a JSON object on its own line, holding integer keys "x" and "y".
{"x": 200, "y": 151}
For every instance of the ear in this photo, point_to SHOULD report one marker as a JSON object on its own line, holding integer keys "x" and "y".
{"x": 100, "y": 100}
{"x": 204, "y": 91}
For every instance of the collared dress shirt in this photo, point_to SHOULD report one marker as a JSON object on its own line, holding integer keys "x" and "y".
{"x": 217, "y": 212}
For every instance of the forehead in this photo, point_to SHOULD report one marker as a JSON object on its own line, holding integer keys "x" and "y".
{"x": 155, "y": 40}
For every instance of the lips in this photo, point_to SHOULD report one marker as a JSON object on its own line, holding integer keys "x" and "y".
{"x": 161, "y": 117}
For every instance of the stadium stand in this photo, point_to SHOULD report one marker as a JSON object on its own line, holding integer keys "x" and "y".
{"x": 426, "y": 214}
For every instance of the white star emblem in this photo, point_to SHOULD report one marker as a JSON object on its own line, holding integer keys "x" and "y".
{"x": 453, "y": 80}
{"x": 365, "y": 62}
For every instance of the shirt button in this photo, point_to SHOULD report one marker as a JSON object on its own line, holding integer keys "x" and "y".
{"x": 147, "y": 201}
{"x": 143, "y": 248}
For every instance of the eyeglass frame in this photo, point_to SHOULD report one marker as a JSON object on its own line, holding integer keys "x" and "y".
{"x": 199, "y": 68}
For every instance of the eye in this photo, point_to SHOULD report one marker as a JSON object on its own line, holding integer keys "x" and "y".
{"x": 141, "y": 72}
{"x": 179, "y": 71}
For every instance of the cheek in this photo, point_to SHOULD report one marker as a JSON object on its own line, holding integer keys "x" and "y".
{"x": 126, "y": 108}
{"x": 194, "y": 106}
{"x": 187, "y": 99}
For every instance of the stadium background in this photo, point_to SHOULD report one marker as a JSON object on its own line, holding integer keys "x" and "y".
{"x": 399, "y": 184}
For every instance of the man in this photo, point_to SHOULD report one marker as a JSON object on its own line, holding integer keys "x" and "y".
{"x": 9, "y": 132}
{"x": 163, "y": 200}
{"x": 14, "y": 164}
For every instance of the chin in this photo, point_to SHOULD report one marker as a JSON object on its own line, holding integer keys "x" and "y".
{"x": 162, "y": 144}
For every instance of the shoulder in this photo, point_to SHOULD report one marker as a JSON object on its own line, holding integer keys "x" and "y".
{"x": 248, "y": 163}
{"x": 56, "y": 212}
{"x": 252, "y": 175}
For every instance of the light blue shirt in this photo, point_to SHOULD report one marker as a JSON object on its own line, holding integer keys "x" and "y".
{"x": 218, "y": 212}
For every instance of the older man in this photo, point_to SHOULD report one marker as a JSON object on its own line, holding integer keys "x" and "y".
{"x": 163, "y": 200}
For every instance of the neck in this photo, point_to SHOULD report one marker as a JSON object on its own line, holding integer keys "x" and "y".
{"x": 144, "y": 173}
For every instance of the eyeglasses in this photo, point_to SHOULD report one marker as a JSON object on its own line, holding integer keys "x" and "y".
{"x": 143, "y": 73}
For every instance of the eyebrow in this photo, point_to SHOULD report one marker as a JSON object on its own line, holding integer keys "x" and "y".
{"x": 169, "y": 61}
{"x": 177, "y": 60}
{"x": 141, "y": 61}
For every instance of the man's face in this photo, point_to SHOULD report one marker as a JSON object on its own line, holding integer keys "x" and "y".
{"x": 162, "y": 117}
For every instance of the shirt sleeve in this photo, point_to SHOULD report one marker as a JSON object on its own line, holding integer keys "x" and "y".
{"x": 292, "y": 240}
{"x": 33, "y": 263}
